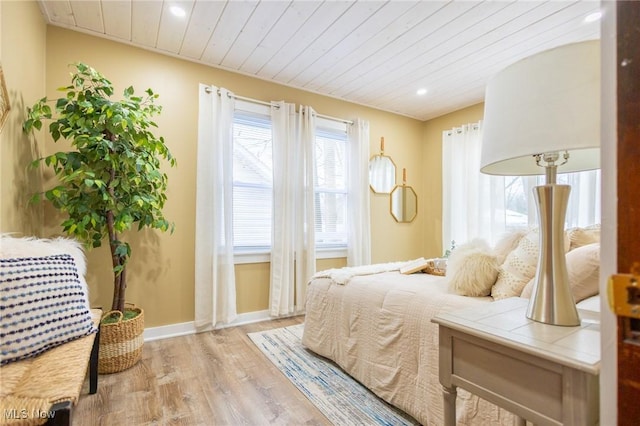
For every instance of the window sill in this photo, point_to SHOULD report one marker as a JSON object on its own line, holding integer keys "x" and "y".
{"x": 265, "y": 257}
{"x": 243, "y": 258}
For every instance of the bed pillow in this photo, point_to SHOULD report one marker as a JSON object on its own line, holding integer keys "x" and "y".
{"x": 579, "y": 237}
{"x": 506, "y": 244}
{"x": 472, "y": 269}
{"x": 519, "y": 267}
{"x": 43, "y": 305}
{"x": 583, "y": 267}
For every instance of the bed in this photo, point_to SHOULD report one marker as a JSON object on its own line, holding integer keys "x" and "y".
{"x": 378, "y": 328}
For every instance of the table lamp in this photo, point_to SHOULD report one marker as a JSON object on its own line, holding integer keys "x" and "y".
{"x": 542, "y": 116}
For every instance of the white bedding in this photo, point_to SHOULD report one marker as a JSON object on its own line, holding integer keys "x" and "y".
{"x": 343, "y": 275}
{"x": 378, "y": 329}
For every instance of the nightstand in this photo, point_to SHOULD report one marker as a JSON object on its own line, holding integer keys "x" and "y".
{"x": 545, "y": 374}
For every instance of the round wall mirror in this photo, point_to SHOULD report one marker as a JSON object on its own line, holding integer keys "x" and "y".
{"x": 382, "y": 174}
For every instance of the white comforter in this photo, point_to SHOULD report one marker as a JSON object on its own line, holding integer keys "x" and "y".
{"x": 378, "y": 329}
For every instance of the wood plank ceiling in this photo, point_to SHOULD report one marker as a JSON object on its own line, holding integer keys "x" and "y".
{"x": 375, "y": 53}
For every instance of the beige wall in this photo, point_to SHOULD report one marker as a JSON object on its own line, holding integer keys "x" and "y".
{"x": 161, "y": 271}
{"x": 432, "y": 161}
{"x": 22, "y": 55}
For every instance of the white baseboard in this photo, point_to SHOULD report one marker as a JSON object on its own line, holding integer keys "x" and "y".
{"x": 186, "y": 328}
{"x": 166, "y": 331}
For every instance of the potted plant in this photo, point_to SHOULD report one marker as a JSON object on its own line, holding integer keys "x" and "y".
{"x": 109, "y": 182}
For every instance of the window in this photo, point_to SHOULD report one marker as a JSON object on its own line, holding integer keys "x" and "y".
{"x": 331, "y": 187}
{"x": 516, "y": 202}
{"x": 253, "y": 181}
{"x": 476, "y": 205}
{"x": 583, "y": 208}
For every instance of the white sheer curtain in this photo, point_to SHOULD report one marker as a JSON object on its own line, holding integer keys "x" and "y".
{"x": 472, "y": 202}
{"x": 584, "y": 199}
{"x": 359, "y": 213}
{"x": 476, "y": 205}
{"x": 293, "y": 231}
{"x": 583, "y": 208}
{"x": 215, "y": 288}
{"x": 281, "y": 289}
{"x": 305, "y": 239}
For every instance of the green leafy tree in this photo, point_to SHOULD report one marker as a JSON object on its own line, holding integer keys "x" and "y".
{"x": 111, "y": 180}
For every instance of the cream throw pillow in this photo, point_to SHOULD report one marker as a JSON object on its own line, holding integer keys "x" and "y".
{"x": 506, "y": 244}
{"x": 583, "y": 267}
{"x": 519, "y": 267}
{"x": 472, "y": 269}
{"x": 582, "y": 236}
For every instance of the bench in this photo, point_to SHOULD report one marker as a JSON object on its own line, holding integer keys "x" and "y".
{"x": 44, "y": 389}
{"x": 49, "y": 336}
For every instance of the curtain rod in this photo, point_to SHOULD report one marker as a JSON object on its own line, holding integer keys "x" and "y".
{"x": 458, "y": 130}
{"x": 269, "y": 104}
{"x": 242, "y": 98}
{"x": 341, "y": 120}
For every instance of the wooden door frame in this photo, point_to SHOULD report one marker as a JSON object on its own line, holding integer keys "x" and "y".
{"x": 628, "y": 184}
{"x": 617, "y": 240}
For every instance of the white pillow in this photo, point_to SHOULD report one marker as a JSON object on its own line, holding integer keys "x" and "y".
{"x": 520, "y": 266}
{"x": 506, "y": 244}
{"x": 43, "y": 305}
{"x": 472, "y": 269}
{"x": 583, "y": 267}
{"x": 30, "y": 246}
{"x": 11, "y": 247}
{"x": 582, "y": 236}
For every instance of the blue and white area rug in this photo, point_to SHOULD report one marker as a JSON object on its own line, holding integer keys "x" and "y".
{"x": 339, "y": 397}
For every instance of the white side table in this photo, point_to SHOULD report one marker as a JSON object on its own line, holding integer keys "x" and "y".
{"x": 542, "y": 373}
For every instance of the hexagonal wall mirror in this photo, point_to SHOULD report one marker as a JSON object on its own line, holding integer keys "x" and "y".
{"x": 404, "y": 202}
{"x": 382, "y": 172}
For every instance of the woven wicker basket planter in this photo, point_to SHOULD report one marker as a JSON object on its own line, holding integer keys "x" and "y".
{"x": 121, "y": 342}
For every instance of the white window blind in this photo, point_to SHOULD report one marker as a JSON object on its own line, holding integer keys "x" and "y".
{"x": 253, "y": 181}
{"x": 331, "y": 185}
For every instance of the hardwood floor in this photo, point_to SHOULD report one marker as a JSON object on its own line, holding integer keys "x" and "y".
{"x": 214, "y": 378}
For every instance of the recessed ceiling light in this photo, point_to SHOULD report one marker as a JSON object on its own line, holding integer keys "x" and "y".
{"x": 421, "y": 91}
{"x": 177, "y": 11}
{"x": 593, "y": 17}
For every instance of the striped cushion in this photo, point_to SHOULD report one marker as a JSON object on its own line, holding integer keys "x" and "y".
{"x": 43, "y": 304}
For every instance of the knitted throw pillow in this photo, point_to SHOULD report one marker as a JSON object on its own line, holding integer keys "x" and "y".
{"x": 43, "y": 304}
{"x": 583, "y": 268}
{"x": 520, "y": 266}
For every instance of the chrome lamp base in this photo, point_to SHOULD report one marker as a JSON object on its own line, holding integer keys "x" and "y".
{"x": 552, "y": 301}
